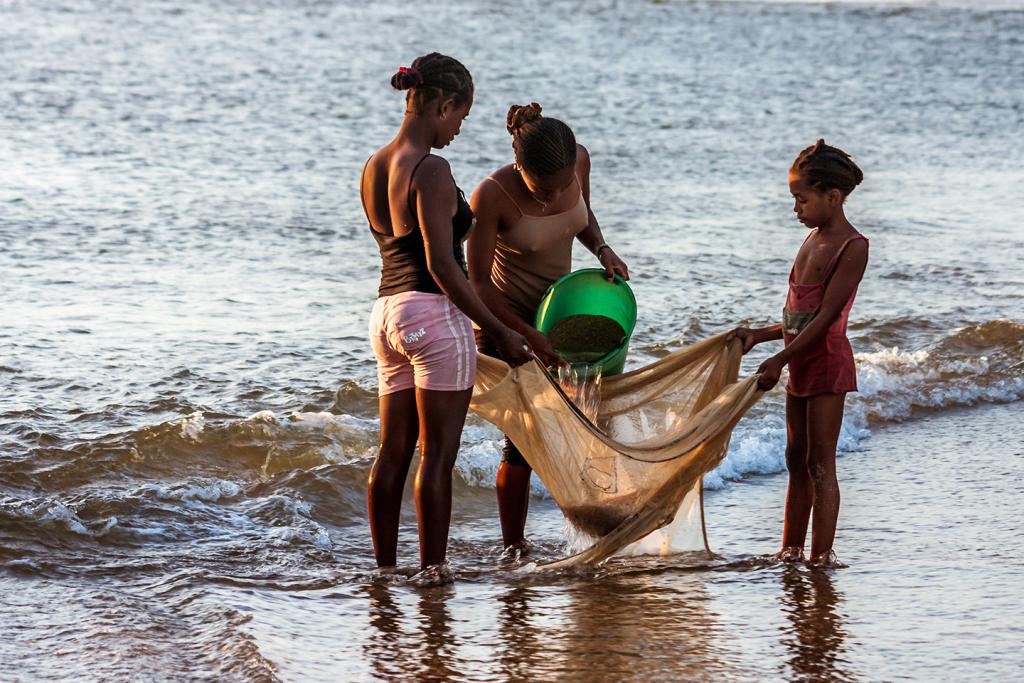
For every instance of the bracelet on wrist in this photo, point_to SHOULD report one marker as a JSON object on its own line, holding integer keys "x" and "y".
{"x": 603, "y": 245}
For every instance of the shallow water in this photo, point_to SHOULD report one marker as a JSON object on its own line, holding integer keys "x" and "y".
{"x": 926, "y": 596}
{"x": 188, "y": 409}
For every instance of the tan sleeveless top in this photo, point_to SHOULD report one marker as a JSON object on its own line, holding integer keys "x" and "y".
{"x": 533, "y": 253}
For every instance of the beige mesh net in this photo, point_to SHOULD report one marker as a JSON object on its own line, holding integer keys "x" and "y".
{"x": 638, "y": 469}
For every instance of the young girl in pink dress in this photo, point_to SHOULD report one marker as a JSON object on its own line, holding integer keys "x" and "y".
{"x": 822, "y": 286}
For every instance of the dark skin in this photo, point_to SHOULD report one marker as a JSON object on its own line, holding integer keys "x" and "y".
{"x": 813, "y": 422}
{"x": 496, "y": 212}
{"x": 433, "y": 418}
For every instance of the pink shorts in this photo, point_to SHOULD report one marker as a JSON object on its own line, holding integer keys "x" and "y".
{"x": 422, "y": 340}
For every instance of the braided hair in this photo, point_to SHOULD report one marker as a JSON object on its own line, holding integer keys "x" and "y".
{"x": 545, "y": 146}
{"x": 825, "y": 168}
{"x": 430, "y": 77}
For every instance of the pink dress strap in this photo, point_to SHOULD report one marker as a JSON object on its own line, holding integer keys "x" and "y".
{"x": 839, "y": 252}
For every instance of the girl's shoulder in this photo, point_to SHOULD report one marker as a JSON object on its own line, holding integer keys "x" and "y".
{"x": 426, "y": 173}
{"x": 852, "y": 242}
{"x": 498, "y": 184}
{"x": 852, "y": 249}
{"x": 842, "y": 241}
{"x": 582, "y": 159}
{"x": 495, "y": 192}
{"x": 504, "y": 174}
{"x": 856, "y": 240}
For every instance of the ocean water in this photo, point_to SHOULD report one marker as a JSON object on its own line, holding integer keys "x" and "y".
{"x": 187, "y": 395}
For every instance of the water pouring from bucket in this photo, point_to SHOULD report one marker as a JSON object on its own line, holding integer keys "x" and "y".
{"x": 589, "y": 321}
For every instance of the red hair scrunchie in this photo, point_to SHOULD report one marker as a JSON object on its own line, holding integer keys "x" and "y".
{"x": 417, "y": 77}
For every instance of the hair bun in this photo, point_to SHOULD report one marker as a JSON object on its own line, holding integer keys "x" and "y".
{"x": 858, "y": 175}
{"x": 825, "y": 167}
{"x": 519, "y": 115}
{"x": 406, "y": 78}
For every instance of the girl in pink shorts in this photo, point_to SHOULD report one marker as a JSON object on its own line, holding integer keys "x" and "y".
{"x": 422, "y": 340}
{"x": 420, "y": 327}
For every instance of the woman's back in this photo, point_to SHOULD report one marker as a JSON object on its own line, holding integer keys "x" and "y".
{"x": 385, "y": 188}
{"x": 388, "y": 192}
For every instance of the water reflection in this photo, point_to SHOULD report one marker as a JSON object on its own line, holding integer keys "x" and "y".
{"x": 610, "y": 628}
{"x": 815, "y": 635}
{"x": 523, "y": 633}
{"x": 420, "y": 647}
{"x": 383, "y": 646}
{"x": 652, "y": 621}
{"x": 656, "y": 623}
{"x": 438, "y": 642}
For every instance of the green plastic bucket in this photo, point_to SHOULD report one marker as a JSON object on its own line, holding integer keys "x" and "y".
{"x": 588, "y": 292}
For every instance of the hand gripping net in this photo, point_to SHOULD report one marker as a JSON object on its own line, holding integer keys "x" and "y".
{"x": 641, "y": 465}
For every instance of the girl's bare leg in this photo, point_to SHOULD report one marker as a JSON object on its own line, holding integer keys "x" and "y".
{"x": 800, "y": 492}
{"x": 513, "y": 487}
{"x": 442, "y": 415}
{"x": 398, "y": 432}
{"x": 824, "y": 420}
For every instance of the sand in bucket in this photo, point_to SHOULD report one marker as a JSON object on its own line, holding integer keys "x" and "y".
{"x": 585, "y": 338}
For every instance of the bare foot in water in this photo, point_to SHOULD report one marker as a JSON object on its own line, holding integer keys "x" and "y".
{"x": 516, "y": 551}
{"x": 389, "y": 574}
{"x": 439, "y": 574}
{"x": 790, "y": 554}
{"x": 826, "y": 560}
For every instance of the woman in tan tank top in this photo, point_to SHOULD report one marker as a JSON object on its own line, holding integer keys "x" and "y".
{"x": 527, "y": 216}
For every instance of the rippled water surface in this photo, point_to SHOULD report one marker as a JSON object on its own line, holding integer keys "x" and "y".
{"x": 187, "y": 397}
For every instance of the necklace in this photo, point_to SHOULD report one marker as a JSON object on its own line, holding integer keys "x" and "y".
{"x": 543, "y": 205}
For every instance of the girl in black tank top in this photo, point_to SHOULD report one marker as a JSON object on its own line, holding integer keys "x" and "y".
{"x": 421, "y": 267}
{"x": 404, "y": 258}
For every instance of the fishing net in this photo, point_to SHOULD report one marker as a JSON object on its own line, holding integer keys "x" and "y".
{"x": 629, "y": 480}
